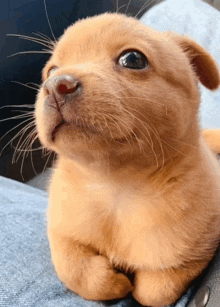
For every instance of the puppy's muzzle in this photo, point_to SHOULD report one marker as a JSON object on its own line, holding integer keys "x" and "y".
{"x": 60, "y": 87}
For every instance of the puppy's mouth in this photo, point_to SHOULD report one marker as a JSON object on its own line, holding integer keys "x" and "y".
{"x": 89, "y": 131}
{"x": 57, "y": 128}
{"x": 78, "y": 126}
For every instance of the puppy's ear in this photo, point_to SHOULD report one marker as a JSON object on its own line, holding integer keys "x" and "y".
{"x": 202, "y": 61}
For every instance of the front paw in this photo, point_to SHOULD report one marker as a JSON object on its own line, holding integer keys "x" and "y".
{"x": 86, "y": 273}
{"x": 104, "y": 283}
{"x": 155, "y": 289}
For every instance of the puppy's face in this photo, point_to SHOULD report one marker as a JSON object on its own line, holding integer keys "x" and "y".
{"x": 114, "y": 85}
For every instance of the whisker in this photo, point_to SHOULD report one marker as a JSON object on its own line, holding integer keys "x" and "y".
{"x": 121, "y": 7}
{"x": 107, "y": 126}
{"x": 24, "y": 112}
{"x": 29, "y": 52}
{"x": 22, "y": 163}
{"x": 18, "y": 106}
{"x": 46, "y": 153}
{"x": 130, "y": 132}
{"x": 113, "y": 92}
{"x": 126, "y": 127}
{"x": 29, "y": 141}
{"x": 117, "y": 126}
{"x": 32, "y": 162}
{"x": 48, "y": 50}
{"x": 49, "y": 21}
{"x": 145, "y": 6}
{"x": 139, "y": 98}
{"x": 28, "y": 126}
{"x": 15, "y": 135}
{"x": 30, "y": 147}
{"x": 43, "y": 150}
{"x": 44, "y": 36}
{"x": 147, "y": 100}
{"x": 26, "y": 85}
{"x": 174, "y": 148}
{"x": 117, "y": 6}
{"x": 154, "y": 131}
{"x": 21, "y": 168}
{"x": 31, "y": 37}
{"x": 35, "y": 84}
{"x": 182, "y": 142}
{"x": 34, "y": 39}
{"x": 29, "y": 150}
{"x": 16, "y": 117}
{"x": 54, "y": 157}
{"x": 127, "y": 6}
{"x": 149, "y": 142}
{"x": 149, "y": 138}
{"x": 22, "y": 132}
{"x": 47, "y": 161}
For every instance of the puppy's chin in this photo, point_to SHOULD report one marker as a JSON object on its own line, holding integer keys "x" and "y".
{"x": 73, "y": 141}
{"x": 70, "y": 139}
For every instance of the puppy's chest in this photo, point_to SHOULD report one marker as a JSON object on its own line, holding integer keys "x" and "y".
{"x": 99, "y": 211}
{"x": 108, "y": 209}
{"x": 118, "y": 222}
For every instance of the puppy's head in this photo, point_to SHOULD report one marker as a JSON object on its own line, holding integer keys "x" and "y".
{"x": 116, "y": 86}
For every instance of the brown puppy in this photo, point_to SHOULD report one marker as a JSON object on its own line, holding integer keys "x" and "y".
{"x": 135, "y": 186}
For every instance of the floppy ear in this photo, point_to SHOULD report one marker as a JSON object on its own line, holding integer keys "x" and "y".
{"x": 203, "y": 63}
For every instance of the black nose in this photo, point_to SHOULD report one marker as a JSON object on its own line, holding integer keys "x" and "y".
{"x": 60, "y": 86}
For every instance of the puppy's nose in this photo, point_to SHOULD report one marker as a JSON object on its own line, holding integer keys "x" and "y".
{"x": 61, "y": 86}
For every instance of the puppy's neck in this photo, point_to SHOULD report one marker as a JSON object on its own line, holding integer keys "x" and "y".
{"x": 178, "y": 154}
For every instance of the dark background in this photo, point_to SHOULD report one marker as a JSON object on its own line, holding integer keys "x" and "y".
{"x": 25, "y": 17}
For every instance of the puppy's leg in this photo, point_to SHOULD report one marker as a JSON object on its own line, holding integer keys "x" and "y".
{"x": 164, "y": 287}
{"x": 85, "y": 272}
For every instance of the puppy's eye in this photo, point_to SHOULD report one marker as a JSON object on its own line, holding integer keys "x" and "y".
{"x": 51, "y": 70}
{"x": 133, "y": 60}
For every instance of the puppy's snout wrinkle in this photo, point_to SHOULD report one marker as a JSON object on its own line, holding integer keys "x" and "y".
{"x": 61, "y": 86}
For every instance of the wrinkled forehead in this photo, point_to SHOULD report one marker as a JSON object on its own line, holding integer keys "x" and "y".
{"x": 103, "y": 35}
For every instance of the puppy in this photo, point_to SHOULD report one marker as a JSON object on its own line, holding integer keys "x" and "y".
{"x": 135, "y": 187}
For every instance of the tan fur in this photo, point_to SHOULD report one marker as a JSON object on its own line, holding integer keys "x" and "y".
{"x": 142, "y": 194}
{"x": 212, "y": 137}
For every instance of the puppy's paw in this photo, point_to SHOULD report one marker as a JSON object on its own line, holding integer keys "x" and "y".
{"x": 154, "y": 289}
{"x": 122, "y": 285}
{"x": 104, "y": 283}
{"x": 85, "y": 272}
